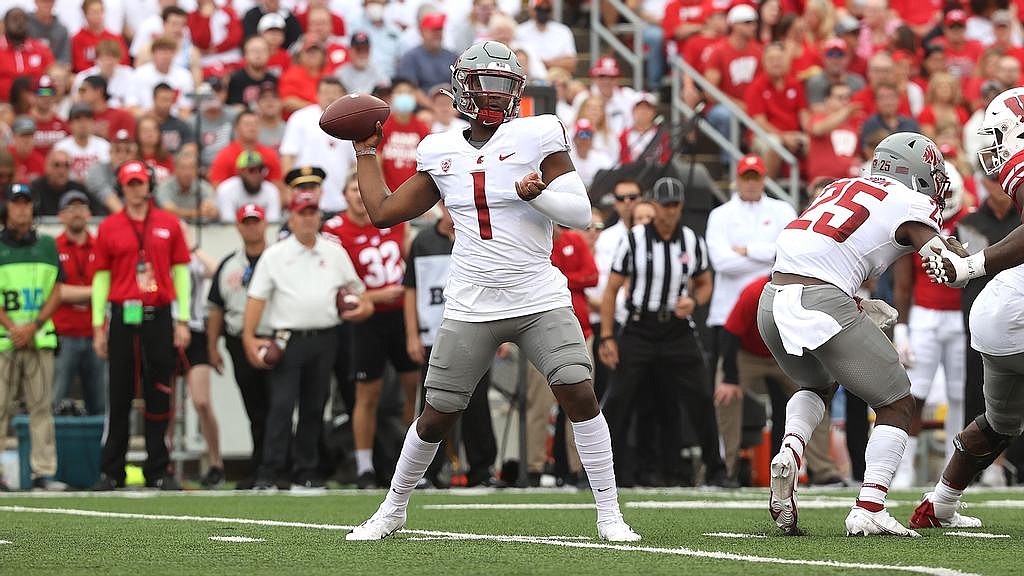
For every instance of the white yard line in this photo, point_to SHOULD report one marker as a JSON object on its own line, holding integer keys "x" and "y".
{"x": 734, "y": 535}
{"x": 976, "y": 535}
{"x": 538, "y": 506}
{"x": 6, "y": 542}
{"x": 235, "y": 539}
{"x": 542, "y": 540}
{"x": 805, "y": 503}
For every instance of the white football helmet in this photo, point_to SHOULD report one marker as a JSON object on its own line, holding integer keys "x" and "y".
{"x": 1004, "y": 123}
{"x": 955, "y": 196}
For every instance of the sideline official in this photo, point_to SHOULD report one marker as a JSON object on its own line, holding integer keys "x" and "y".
{"x": 666, "y": 264}
{"x": 141, "y": 266}
{"x": 295, "y": 284}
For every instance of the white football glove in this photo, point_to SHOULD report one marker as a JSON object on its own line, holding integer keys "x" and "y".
{"x": 879, "y": 312}
{"x": 901, "y": 341}
{"x": 953, "y": 270}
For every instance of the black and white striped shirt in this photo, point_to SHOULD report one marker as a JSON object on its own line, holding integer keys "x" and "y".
{"x": 659, "y": 272}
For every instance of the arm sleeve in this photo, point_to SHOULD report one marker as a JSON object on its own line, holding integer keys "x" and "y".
{"x": 409, "y": 278}
{"x": 565, "y": 201}
{"x": 100, "y": 293}
{"x": 730, "y": 345}
{"x": 183, "y": 290}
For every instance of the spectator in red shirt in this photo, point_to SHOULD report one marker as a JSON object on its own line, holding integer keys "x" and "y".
{"x": 698, "y": 47}
{"x": 215, "y": 29}
{"x": 272, "y": 29}
{"x": 682, "y": 21}
{"x": 76, "y": 358}
{"x": 832, "y": 149}
{"x": 633, "y": 141}
{"x": 881, "y": 70}
{"x": 151, "y": 148}
{"x": 298, "y": 83}
{"x": 29, "y": 163}
{"x": 247, "y": 133}
{"x": 19, "y": 54}
{"x": 776, "y": 101}
{"x": 1002, "y": 37}
{"x": 83, "y": 44}
{"x": 402, "y": 134}
{"x": 337, "y": 22}
{"x": 1008, "y": 71}
{"x": 320, "y": 29}
{"x": 921, "y": 16}
{"x": 804, "y": 57}
{"x": 93, "y": 91}
{"x": 962, "y": 53}
{"x": 733, "y": 64}
{"x": 50, "y": 128}
{"x": 944, "y": 104}
{"x": 848, "y": 30}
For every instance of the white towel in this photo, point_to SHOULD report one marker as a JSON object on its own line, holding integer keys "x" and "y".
{"x": 799, "y": 327}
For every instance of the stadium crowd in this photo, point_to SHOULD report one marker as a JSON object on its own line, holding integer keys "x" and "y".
{"x": 219, "y": 101}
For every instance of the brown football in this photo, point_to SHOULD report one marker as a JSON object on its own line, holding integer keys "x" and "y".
{"x": 354, "y": 116}
{"x": 346, "y": 300}
{"x": 270, "y": 353}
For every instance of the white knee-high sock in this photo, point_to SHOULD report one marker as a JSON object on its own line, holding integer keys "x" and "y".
{"x": 594, "y": 444}
{"x": 804, "y": 411}
{"x": 906, "y": 472}
{"x": 412, "y": 464}
{"x": 881, "y": 458}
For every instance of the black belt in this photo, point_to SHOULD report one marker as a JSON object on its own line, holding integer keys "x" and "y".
{"x": 661, "y": 317}
{"x": 148, "y": 312}
{"x": 309, "y": 333}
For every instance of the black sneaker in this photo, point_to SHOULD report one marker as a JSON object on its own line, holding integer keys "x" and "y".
{"x": 721, "y": 480}
{"x": 309, "y": 485}
{"x": 367, "y": 480}
{"x": 106, "y": 484}
{"x": 165, "y": 483}
{"x": 264, "y": 485}
{"x": 247, "y": 483}
{"x": 214, "y": 478}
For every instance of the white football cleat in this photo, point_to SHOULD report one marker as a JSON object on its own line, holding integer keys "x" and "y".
{"x": 785, "y": 471}
{"x": 927, "y": 515}
{"x": 616, "y": 531}
{"x": 379, "y": 526}
{"x": 861, "y": 522}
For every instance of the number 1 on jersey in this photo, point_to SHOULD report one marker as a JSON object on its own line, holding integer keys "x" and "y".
{"x": 483, "y": 213}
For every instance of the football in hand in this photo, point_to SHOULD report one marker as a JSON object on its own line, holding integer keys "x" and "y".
{"x": 354, "y": 116}
{"x": 346, "y": 301}
{"x": 270, "y": 353}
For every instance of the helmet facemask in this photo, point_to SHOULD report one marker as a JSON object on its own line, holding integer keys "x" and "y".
{"x": 994, "y": 156}
{"x": 480, "y": 86}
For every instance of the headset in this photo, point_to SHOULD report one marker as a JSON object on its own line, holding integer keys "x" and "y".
{"x": 149, "y": 171}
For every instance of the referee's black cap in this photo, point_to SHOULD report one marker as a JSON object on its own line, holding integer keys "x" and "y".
{"x": 667, "y": 190}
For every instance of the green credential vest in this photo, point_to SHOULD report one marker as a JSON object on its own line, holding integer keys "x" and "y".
{"x": 27, "y": 276}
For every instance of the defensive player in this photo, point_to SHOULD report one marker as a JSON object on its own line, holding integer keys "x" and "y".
{"x": 820, "y": 335}
{"x": 930, "y": 333}
{"x": 504, "y": 180}
{"x": 997, "y": 330}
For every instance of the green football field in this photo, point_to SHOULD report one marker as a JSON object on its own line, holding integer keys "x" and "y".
{"x": 486, "y": 532}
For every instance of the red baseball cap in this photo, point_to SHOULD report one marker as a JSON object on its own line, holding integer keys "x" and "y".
{"x": 750, "y": 163}
{"x": 251, "y": 211}
{"x": 954, "y": 17}
{"x": 432, "y": 21}
{"x": 304, "y": 199}
{"x": 605, "y": 66}
{"x": 133, "y": 170}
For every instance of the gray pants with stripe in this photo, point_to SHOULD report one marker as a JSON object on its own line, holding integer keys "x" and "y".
{"x": 859, "y": 357}
{"x": 1004, "y": 393}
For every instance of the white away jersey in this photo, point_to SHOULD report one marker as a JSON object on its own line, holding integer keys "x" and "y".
{"x": 849, "y": 233}
{"x": 501, "y": 261}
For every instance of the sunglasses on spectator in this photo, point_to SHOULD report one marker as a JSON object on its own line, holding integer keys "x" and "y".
{"x": 584, "y": 134}
{"x": 253, "y": 170}
{"x": 835, "y": 54}
{"x": 625, "y": 197}
{"x": 61, "y": 164}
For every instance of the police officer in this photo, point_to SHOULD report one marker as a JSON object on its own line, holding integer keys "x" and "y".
{"x": 141, "y": 263}
{"x": 30, "y": 281}
{"x": 296, "y": 284}
{"x": 666, "y": 264}
{"x": 226, "y": 307}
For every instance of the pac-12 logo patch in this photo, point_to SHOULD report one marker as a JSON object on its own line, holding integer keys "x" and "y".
{"x": 446, "y": 164}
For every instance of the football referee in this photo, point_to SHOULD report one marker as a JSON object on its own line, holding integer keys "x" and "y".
{"x": 661, "y": 362}
{"x": 141, "y": 263}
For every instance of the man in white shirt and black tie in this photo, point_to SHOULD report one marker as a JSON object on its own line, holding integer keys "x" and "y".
{"x": 666, "y": 264}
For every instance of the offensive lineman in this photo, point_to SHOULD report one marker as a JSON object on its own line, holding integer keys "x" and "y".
{"x": 502, "y": 286}
{"x": 996, "y": 328}
{"x": 820, "y": 335}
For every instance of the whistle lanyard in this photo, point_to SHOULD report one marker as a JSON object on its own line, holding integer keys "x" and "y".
{"x": 140, "y": 236}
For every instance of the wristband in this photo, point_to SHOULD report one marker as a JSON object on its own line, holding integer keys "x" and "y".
{"x": 366, "y": 152}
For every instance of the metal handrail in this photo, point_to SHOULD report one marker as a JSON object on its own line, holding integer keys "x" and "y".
{"x": 738, "y": 116}
{"x": 634, "y": 25}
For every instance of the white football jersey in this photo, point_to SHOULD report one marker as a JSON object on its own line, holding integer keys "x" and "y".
{"x": 849, "y": 233}
{"x": 501, "y": 262}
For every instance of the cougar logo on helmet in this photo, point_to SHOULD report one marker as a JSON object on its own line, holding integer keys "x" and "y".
{"x": 931, "y": 156}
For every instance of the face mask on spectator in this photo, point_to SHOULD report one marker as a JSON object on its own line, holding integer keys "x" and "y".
{"x": 375, "y": 12}
{"x": 404, "y": 103}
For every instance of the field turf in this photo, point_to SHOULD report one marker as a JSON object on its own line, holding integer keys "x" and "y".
{"x": 485, "y": 532}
